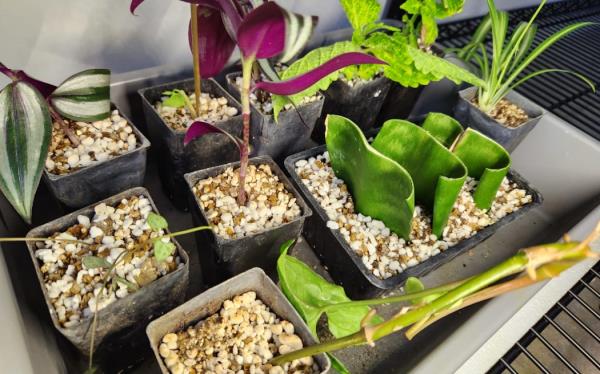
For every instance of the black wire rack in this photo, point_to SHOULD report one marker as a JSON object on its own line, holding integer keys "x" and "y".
{"x": 564, "y": 95}
{"x": 566, "y": 339}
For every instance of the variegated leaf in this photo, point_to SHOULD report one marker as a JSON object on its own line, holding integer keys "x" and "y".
{"x": 25, "y": 130}
{"x": 298, "y": 30}
{"x": 84, "y": 96}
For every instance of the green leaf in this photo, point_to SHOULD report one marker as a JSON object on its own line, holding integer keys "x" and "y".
{"x": 156, "y": 221}
{"x": 131, "y": 286}
{"x": 162, "y": 250}
{"x": 338, "y": 365}
{"x": 364, "y": 170}
{"x": 175, "y": 99}
{"x": 310, "y": 294}
{"x": 311, "y": 60}
{"x": 486, "y": 161}
{"x": 440, "y": 68}
{"x": 443, "y": 127}
{"x": 95, "y": 262}
{"x": 414, "y": 285}
{"x": 25, "y": 130}
{"x": 361, "y": 13}
{"x": 438, "y": 175}
{"x": 467, "y": 52}
{"x": 84, "y": 96}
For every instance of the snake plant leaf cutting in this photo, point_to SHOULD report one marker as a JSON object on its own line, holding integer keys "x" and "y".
{"x": 25, "y": 130}
{"x": 84, "y": 96}
{"x": 312, "y": 296}
{"x": 437, "y": 174}
{"x": 486, "y": 160}
{"x": 365, "y": 170}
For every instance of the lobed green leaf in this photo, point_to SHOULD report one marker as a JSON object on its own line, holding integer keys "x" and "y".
{"x": 162, "y": 250}
{"x": 156, "y": 221}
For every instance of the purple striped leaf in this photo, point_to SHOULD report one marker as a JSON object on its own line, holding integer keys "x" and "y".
{"x": 215, "y": 46}
{"x": 199, "y": 129}
{"x": 19, "y": 75}
{"x": 301, "y": 82}
{"x": 262, "y": 32}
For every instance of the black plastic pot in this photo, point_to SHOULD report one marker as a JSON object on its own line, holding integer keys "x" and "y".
{"x": 347, "y": 268}
{"x": 399, "y": 102}
{"x": 174, "y": 159}
{"x": 360, "y": 103}
{"x": 289, "y": 135}
{"x": 209, "y": 302}
{"x": 121, "y": 323}
{"x": 222, "y": 257}
{"x": 471, "y": 116}
{"x": 101, "y": 179}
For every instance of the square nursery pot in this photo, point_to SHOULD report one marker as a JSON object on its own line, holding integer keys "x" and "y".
{"x": 101, "y": 179}
{"x": 399, "y": 102}
{"x": 121, "y": 324}
{"x": 347, "y": 268}
{"x": 470, "y": 115}
{"x": 174, "y": 160}
{"x": 210, "y": 301}
{"x": 222, "y": 257}
{"x": 360, "y": 103}
{"x": 289, "y": 135}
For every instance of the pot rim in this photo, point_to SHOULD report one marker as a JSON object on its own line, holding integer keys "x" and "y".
{"x": 534, "y": 113}
{"x": 144, "y": 145}
{"x": 422, "y": 267}
{"x": 182, "y": 311}
{"x": 191, "y": 179}
{"x": 226, "y": 94}
{"x": 37, "y": 231}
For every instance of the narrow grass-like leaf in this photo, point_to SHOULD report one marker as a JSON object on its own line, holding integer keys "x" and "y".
{"x": 437, "y": 174}
{"x": 84, "y": 96}
{"x": 95, "y": 262}
{"x": 25, "y": 130}
{"x": 381, "y": 187}
{"x": 132, "y": 287}
{"x": 468, "y": 51}
{"x": 547, "y": 71}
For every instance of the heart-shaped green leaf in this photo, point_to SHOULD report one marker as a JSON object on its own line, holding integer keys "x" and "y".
{"x": 156, "y": 221}
{"x": 309, "y": 293}
{"x": 437, "y": 174}
{"x": 381, "y": 187}
{"x": 25, "y": 130}
{"x": 84, "y": 96}
{"x": 162, "y": 250}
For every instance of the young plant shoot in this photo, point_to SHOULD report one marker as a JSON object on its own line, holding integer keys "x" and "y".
{"x": 266, "y": 32}
{"x": 27, "y": 107}
{"x": 354, "y": 323}
{"x": 502, "y": 71}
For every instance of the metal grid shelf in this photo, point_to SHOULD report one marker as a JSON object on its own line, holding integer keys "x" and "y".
{"x": 566, "y": 339}
{"x": 563, "y": 95}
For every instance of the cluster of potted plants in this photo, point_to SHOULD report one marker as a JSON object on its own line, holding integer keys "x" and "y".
{"x": 380, "y": 206}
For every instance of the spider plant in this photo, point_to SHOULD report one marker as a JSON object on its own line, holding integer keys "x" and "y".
{"x": 502, "y": 71}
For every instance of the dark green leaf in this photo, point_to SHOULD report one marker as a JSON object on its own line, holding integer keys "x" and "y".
{"x": 156, "y": 221}
{"x": 440, "y": 67}
{"x": 365, "y": 170}
{"x": 84, "y": 96}
{"x": 95, "y": 262}
{"x": 25, "y": 130}
{"x": 309, "y": 293}
{"x": 437, "y": 174}
{"x": 162, "y": 250}
{"x": 444, "y": 128}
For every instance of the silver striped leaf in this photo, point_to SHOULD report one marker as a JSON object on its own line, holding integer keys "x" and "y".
{"x": 298, "y": 30}
{"x": 84, "y": 96}
{"x": 25, "y": 130}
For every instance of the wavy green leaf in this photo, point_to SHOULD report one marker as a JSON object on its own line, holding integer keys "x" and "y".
{"x": 364, "y": 169}
{"x": 311, "y": 295}
{"x": 437, "y": 174}
{"x": 310, "y": 61}
{"x": 84, "y": 96}
{"x": 443, "y": 127}
{"x": 486, "y": 161}
{"x": 25, "y": 130}
{"x": 361, "y": 13}
{"x": 440, "y": 68}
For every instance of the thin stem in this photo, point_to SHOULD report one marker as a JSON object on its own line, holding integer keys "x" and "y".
{"x": 196, "y": 55}
{"x": 245, "y": 96}
{"x": 184, "y": 232}
{"x": 64, "y": 126}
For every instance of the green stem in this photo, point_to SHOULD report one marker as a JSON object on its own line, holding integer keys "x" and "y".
{"x": 184, "y": 232}
{"x": 330, "y": 346}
